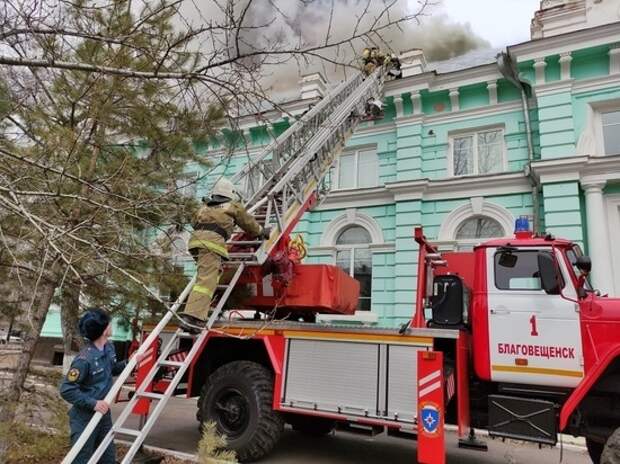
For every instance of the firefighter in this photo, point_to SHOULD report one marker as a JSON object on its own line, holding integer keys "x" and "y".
{"x": 395, "y": 68}
{"x": 213, "y": 225}
{"x": 374, "y": 109}
{"x": 87, "y": 383}
{"x": 377, "y": 57}
{"x": 368, "y": 65}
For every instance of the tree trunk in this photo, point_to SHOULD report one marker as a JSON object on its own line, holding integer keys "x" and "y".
{"x": 69, "y": 311}
{"x": 12, "y": 394}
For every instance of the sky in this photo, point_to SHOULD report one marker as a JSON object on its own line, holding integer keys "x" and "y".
{"x": 501, "y": 22}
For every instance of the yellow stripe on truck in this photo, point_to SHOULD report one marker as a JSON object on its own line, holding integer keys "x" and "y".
{"x": 537, "y": 370}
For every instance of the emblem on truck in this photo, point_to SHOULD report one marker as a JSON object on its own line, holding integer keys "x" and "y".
{"x": 430, "y": 417}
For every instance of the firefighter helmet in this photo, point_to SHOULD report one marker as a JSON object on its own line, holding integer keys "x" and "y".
{"x": 225, "y": 188}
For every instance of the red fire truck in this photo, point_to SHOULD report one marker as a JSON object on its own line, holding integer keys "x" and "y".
{"x": 508, "y": 337}
{"x": 528, "y": 350}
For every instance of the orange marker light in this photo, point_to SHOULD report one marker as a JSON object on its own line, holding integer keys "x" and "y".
{"x": 521, "y": 361}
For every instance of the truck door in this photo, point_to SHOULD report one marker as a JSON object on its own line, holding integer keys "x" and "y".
{"x": 535, "y": 337}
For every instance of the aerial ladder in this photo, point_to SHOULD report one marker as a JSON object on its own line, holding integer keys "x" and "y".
{"x": 294, "y": 168}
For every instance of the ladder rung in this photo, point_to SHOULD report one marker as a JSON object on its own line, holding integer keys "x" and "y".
{"x": 246, "y": 242}
{"x": 170, "y": 363}
{"x": 242, "y": 255}
{"x": 124, "y": 431}
{"x": 238, "y": 263}
{"x": 185, "y": 335}
{"x": 150, "y": 395}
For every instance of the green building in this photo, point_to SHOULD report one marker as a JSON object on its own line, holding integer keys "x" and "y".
{"x": 451, "y": 155}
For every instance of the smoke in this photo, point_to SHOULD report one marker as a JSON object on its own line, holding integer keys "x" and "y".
{"x": 442, "y": 39}
{"x": 275, "y": 25}
{"x": 288, "y": 23}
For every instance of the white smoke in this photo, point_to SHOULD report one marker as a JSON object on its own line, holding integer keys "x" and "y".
{"x": 274, "y": 25}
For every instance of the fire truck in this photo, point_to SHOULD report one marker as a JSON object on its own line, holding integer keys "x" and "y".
{"x": 508, "y": 337}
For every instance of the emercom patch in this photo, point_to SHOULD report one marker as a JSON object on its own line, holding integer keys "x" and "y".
{"x": 73, "y": 374}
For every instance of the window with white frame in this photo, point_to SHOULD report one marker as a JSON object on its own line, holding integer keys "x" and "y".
{"x": 610, "y": 122}
{"x": 354, "y": 257}
{"x": 358, "y": 169}
{"x": 470, "y": 232}
{"x": 480, "y": 152}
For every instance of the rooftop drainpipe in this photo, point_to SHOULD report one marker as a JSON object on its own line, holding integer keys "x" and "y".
{"x": 509, "y": 70}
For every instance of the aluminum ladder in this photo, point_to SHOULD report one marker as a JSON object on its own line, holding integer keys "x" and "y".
{"x": 300, "y": 159}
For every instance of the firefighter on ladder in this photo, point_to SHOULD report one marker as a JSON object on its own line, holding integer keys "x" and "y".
{"x": 214, "y": 223}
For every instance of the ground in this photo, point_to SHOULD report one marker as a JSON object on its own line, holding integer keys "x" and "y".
{"x": 177, "y": 430}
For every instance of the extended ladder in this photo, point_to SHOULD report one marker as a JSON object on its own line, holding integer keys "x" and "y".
{"x": 300, "y": 159}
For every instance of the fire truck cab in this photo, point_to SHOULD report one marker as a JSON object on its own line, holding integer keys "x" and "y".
{"x": 528, "y": 350}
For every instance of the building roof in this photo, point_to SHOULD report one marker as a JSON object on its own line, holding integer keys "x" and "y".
{"x": 470, "y": 59}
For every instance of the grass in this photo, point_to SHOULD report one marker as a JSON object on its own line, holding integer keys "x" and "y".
{"x": 211, "y": 448}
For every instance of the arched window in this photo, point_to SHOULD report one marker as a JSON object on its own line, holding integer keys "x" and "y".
{"x": 354, "y": 257}
{"x": 471, "y": 230}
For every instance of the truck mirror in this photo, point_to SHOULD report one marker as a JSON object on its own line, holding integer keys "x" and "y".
{"x": 548, "y": 274}
{"x": 584, "y": 264}
{"x": 507, "y": 259}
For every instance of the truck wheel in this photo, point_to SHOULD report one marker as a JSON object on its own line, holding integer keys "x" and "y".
{"x": 315, "y": 426}
{"x": 238, "y": 397}
{"x": 611, "y": 451}
{"x": 595, "y": 449}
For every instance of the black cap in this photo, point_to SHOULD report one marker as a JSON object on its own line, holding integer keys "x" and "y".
{"x": 93, "y": 323}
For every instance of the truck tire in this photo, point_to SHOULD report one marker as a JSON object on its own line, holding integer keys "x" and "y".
{"x": 314, "y": 426}
{"x": 238, "y": 397}
{"x": 595, "y": 450}
{"x": 611, "y": 451}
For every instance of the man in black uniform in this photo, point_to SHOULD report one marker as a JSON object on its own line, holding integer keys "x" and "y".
{"x": 88, "y": 382}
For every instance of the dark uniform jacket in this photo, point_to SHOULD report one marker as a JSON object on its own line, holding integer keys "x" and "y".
{"x": 90, "y": 377}
{"x": 224, "y": 216}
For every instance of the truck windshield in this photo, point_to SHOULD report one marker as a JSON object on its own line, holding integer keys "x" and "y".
{"x": 572, "y": 254}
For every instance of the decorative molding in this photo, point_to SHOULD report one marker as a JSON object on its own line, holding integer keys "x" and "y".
{"x": 342, "y": 199}
{"x": 434, "y": 81}
{"x": 398, "y": 104}
{"x": 352, "y": 217}
{"x": 429, "y": 190}
{"x": 565, "y": 61}
{"x": 383, "y": 128}
{"x": 477, "y": 204}
{"x": 492, "y": 89}
{"x": 454, "y": 99}
{"x": 440, "y": 118}
{"x": 551, "y": 88}
{"x": 593, "y": 185}
{"x": 588, "y": 169}
{"x": 539, "y": 67}
{"x": 460, "y": 187}
{"x": 416, "y": 102}
{"x": 614, "y": 59}
{"x": 555, "y": 45}
{"x": 451, "y": 223}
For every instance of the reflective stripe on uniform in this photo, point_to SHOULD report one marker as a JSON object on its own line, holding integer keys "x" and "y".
{"x": 202, "y": 289}
{"x": 213, "y": 246}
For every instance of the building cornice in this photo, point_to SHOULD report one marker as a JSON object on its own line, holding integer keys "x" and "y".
{"x": 577, "y": 40}
{"x": 429, "y": 190}
{"x": 578, "y": 168}
{"x": 460, "y": 187}
{"x": 434, "y": 82}
{"x": 440, "y": 118}
{"x": 343, "y": 199}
